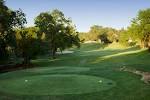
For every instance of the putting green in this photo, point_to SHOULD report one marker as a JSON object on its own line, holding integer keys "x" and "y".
{"x": 55, "y": 84}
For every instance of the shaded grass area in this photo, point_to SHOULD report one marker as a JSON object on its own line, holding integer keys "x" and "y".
{"x": 102, "y": 63}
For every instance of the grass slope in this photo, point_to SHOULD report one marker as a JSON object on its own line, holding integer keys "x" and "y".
{"x": 102, "y": 63}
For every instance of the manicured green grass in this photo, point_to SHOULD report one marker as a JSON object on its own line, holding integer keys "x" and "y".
{"x": 62, "y": 69}
{"x": 81, "y": 70}
{"x": 55, "y": 84}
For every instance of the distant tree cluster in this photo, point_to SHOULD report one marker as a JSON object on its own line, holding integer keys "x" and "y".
{"x": 99, "y": 33}
{"x": 138, "y": 33}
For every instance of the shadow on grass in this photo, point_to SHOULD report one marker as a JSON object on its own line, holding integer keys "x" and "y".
{"x": 138, "y": 59}
{"x": 104, "y": 57}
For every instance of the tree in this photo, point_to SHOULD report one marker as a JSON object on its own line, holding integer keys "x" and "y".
{"x": 104, "y": 38}
{"x": 124, "y": 37}
{"x": 113, "y": 35}
{"x": 59, "y": 30}
{"x": 28, "y": 44}
{"x": 94, "y": 32}
{"x": 105, "y": 34}
{"x": 9, "y": 20}
{"x": 140, "y": 28}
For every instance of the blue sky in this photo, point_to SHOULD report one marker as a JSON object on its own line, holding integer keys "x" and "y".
{"x": 85, "y": 13}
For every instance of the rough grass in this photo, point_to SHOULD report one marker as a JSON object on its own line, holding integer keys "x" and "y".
{"x": 102, "y": 63}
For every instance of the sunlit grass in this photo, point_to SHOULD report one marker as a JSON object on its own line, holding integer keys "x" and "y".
{"x": 118, "y": 54}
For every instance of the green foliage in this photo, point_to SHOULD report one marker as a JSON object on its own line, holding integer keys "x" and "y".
{"x": 59, "y": 31}
{"x": 140, "y": 28}
{"x": 28, "y": 45}
{"x": 124, "y": 36}
{"x": 8, "y": 20}
{"x": 96, "y": 33}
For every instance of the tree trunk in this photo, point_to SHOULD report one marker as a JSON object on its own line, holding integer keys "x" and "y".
{"x": 54, "y": 53}
{"x": 3, "y": 52}
{"x": 149, "y": 45}
{"x": 142, "y": 45}
{"x": 26, "y": 60}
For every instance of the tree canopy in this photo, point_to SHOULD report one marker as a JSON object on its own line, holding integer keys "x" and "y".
{"x": 104, "y": 34}
{"x": 139, "y": 30}
{"x": 9, "y": 20}
{"x": 28, "y": 44}
{"x": 59, "y": 30}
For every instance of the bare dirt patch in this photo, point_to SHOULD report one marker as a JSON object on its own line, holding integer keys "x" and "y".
{"x": 145, "y": 76}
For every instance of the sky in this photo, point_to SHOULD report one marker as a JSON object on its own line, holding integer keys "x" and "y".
{"x": 84, "y": 13}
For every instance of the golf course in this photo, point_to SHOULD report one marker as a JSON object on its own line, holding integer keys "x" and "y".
{"x": 74, "y": 50}
{"x": 89, "y": 73}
